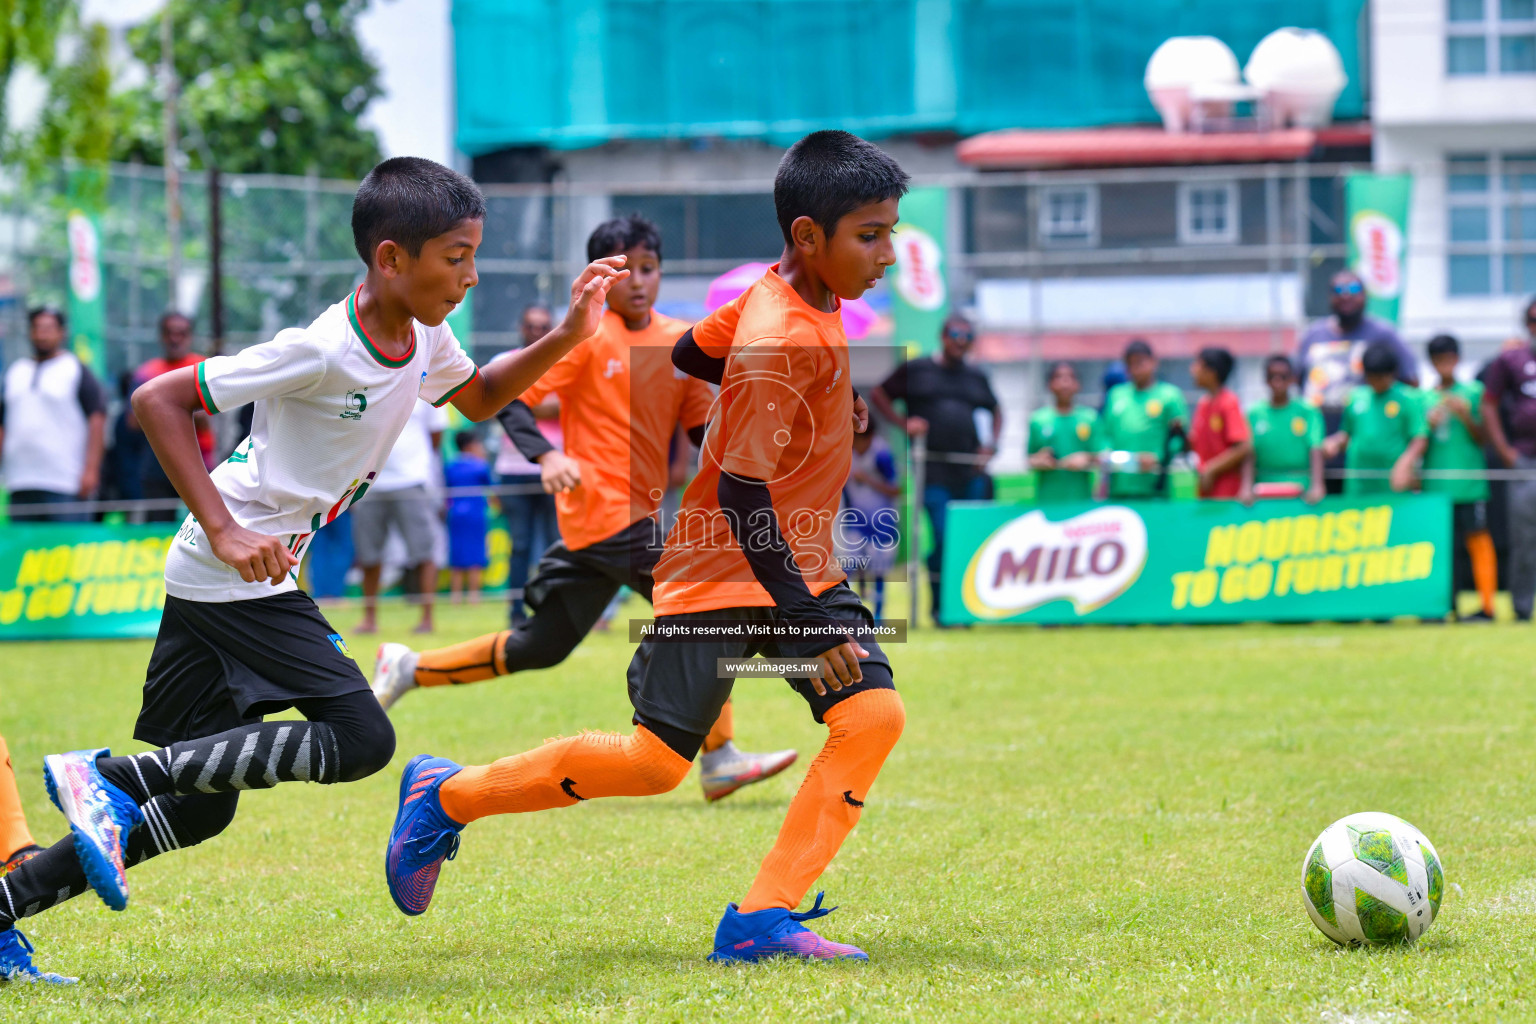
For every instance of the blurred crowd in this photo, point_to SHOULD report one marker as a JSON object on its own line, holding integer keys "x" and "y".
{"x": 1352, "y": 413}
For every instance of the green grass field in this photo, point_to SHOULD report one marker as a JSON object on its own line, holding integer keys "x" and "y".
{"x": 1079, "y": 824}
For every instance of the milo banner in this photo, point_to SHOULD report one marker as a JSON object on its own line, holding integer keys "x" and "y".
{"x": 75, "y": 582}
{"x": 1376, "y": 209}
{"x": 920, "y": 294}
{"x": 87, "y": 309}
{"x": 1211, "y": 561}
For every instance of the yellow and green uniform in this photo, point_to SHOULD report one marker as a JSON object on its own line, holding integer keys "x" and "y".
{"x": 1380, "y": 428}
{"x": 1283, "y": 441}
{"x": 1064, "y": 433}
{"x": 1451, "y": 446}
{"x": 1138, "y": 421}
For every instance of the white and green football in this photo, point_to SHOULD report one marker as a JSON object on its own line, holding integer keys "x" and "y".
{"x": 1372, "y": 879}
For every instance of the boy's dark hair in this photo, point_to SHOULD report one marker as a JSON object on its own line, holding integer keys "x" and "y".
{"x": 1219, "y": 361}
{"x": 1278, "y": 360}
{"x": 622, "y": 234}
{"x": 464, "y": 438}
{"x": 53, "y": 311}
{"x": 1380, "y": 357}
{"x": 408, "y": 200}
{"x": 1443, "y": 345}
{"x": 1061, "y": 364}
{"x": 1137, "y": 347}
{"x": 829, "y": 174}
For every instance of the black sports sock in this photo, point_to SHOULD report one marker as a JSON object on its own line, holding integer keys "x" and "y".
{"x": 250, "y": 757}
{"x": 53, "y": 876}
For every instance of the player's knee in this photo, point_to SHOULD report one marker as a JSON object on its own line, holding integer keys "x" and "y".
{"x": 197, "y": 817}
{"x": 365, "y": 744}
{"x": 657, "y": 767}
{"x": 877, "y": 715}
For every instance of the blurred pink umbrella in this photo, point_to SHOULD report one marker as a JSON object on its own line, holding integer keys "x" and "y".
{"x": 858, "y": 317}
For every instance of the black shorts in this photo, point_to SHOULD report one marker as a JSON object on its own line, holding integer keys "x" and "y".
{"x": 219, "y": 665}
{"x": 1469, "y": 517}
{"x": 674, "y": 682}
{"x": 585, "y": 580}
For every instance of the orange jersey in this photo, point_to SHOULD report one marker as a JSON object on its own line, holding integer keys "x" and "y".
{"x": 784, "y": 416}
{"x": 621, "y": 401}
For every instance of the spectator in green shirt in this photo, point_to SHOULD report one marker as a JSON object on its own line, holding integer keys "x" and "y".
{"x": 1287, "y": 438}
{"x": 1454, "y": 413}
{"x": 1064, "y": 442}
{"x": 1144, "y": 417}
{"x": 1383, "y": 428}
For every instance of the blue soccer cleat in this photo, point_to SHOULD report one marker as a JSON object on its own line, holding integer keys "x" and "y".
{"x": 99, "y": 814}
{"x": 763, "y": 934}
{"x": 16, "y": 961}
{"x": 423, "y": 837}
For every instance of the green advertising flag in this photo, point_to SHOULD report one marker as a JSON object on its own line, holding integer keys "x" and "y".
{"x": 1376, "y": 207}
{"x": 1211, "y": 561}
{"x": 87, "y": 294}
{"x": 921, "y": 291}
{"x": 72, "y": 582}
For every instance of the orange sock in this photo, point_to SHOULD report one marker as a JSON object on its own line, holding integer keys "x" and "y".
{"x": 472, "y": 661}
{"x": 13, "y": 823}
{"x": 563, "y": 771}
{"x": 722, "y": 732}
{"x": 1485, "y": 567}
{"x": 860, "y": 733}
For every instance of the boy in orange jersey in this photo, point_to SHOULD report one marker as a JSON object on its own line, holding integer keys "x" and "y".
{"x": 621, "y": 401}
{"x": 750, "y": 555}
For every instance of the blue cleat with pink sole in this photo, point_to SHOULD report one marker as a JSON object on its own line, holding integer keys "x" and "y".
{"x": 99, "y": 814}
{"x": 764, "y": 934}
{"x": 423, "y": 837}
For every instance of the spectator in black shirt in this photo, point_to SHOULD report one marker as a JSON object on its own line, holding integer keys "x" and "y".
{"x": 941, "y": 395}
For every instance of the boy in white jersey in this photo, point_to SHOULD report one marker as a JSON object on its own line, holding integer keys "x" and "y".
{"x": 238, "y": 640}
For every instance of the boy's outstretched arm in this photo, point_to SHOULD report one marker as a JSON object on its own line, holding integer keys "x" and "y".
{"x": 164, "y": 408}
{"x": 511, "y": 373}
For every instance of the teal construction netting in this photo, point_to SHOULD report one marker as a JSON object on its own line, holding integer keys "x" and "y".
{"x": 575, "y": 73}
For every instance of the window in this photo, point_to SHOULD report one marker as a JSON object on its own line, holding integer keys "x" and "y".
{"x": 1069, "y": 215}
{"x": 1208, "y": 212}
{"x": 1490, "y": 223}
{"x": 1487, "y": 36}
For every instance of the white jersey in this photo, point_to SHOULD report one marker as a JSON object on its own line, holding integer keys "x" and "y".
{"x": 329, "y": 407}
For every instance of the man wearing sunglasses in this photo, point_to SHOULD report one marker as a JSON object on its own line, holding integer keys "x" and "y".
{"x": 942, "y": 395}
{"x": 1330, "y": 353}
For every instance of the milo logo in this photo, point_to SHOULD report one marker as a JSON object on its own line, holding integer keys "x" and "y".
{"x": 1380, "y": 243}
{"x": 919, "y": 268}
{"x": 1090, "y": 560}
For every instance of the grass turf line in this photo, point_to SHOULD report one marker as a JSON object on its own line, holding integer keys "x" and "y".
{"x": 1096, "y": 824}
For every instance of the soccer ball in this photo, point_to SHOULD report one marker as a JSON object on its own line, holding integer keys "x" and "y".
{"x": 1372, "y": 879}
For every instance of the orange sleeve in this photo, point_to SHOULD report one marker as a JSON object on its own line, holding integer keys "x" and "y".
{"x": 697, "y": 401}
{"x": 762, "y": 381}
{"x": 715, "y": 332}
{"x": 560, "y": 376}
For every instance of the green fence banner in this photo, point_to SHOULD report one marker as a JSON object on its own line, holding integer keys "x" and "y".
{"x": 87, "y": 293}
{"x": 1208, "y": 561}
{"x": 1376, "y": 206}
{"x": 921, "y": 292}
{"x": 74, "y": 582}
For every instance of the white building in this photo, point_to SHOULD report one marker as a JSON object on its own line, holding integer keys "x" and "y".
{"x": 1453, "y": 100}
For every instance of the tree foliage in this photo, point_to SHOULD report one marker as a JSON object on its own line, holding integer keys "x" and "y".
{"x": 29, "y": 31}
{"x": 266, "y": 86}
{"x": 76, "y": 120}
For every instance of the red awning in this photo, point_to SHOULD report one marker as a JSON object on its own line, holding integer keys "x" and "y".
{"x": 1018, "y": 149}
